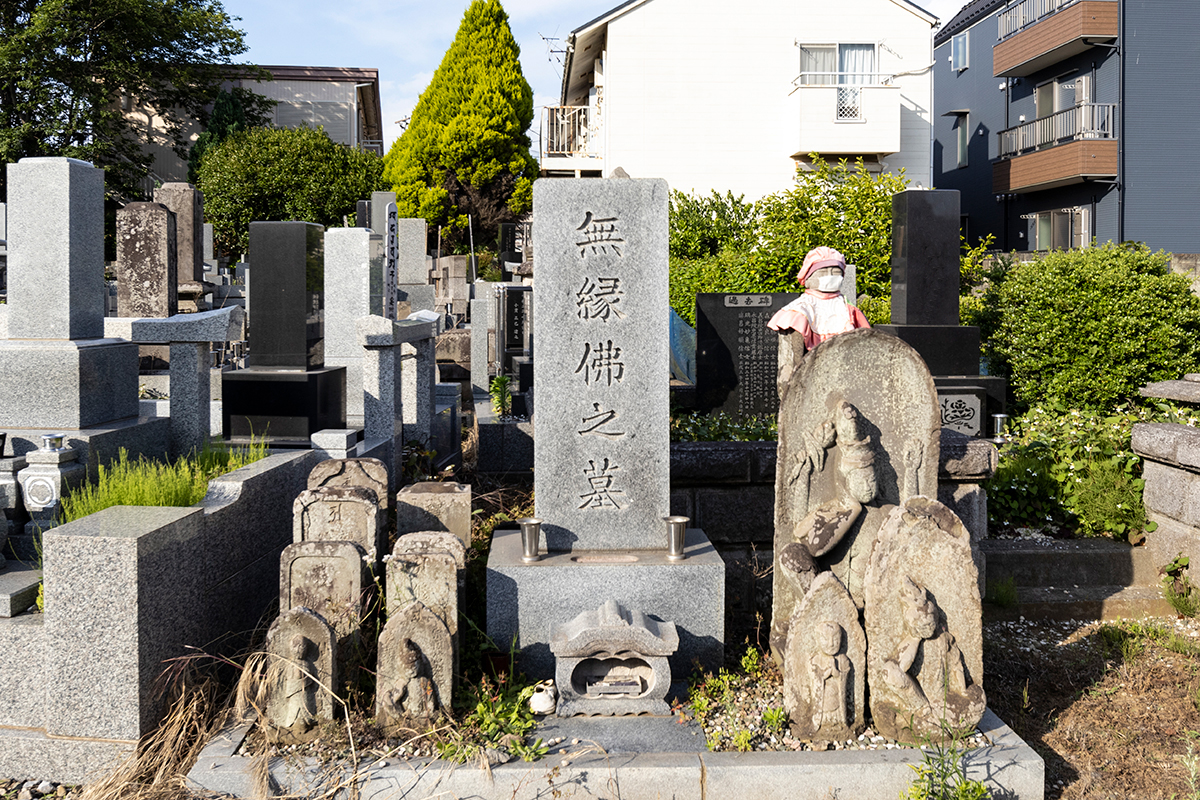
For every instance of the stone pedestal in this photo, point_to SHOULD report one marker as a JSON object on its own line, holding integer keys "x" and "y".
{"x": 527, "y": 600}
{"x": 56, "y": 384}
{"x": 285, "y": 406}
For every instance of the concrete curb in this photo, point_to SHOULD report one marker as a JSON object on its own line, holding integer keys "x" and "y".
{"x": 1009, "y": 766}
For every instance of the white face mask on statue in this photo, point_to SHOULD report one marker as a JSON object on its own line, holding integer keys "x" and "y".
{"x": 829, "y": 283}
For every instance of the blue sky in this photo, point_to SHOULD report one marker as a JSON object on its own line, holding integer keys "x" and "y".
{"x": 406, "y": 40}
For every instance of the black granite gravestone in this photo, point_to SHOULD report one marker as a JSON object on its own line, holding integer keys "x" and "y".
{"x": 925, "y": 298}
{"x": 285, "y": 393}
{"x": 736, "y": 353}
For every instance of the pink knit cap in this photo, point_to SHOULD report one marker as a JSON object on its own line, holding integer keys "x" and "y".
{"x": 820, "y": 257}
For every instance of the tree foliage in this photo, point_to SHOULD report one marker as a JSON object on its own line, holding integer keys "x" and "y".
{"x": 466, "y": 151}
{"x": 721, "y": 243}
{"x": 278, "y": 174}
{"x": 237, "y": 109}
{"x": 65, "y": 64}
{"x": 1088, "y": 328}
{"x": 839, "y": 205}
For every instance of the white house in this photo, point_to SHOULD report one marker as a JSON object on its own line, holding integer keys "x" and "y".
{"x": 712, "y": 95}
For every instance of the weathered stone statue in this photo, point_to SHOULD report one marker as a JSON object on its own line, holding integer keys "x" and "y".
{"x": 924, "y": 628}
{"x": 414, "y": 670}
{"x": 824, "y": 674}
{"x": 859, "y": 431}
{"x": 301, "y": 672}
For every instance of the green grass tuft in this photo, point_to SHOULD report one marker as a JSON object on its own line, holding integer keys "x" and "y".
{"x": 146, "y": 482}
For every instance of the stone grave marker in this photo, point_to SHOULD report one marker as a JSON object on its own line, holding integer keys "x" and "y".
{"x": 56, "y": 297}
{"x": 328, "y": 578}
{"x": 147, "y": 277}
{"x": 428, "y": 568}
{"x": 302, "y": 658}
{"x": 186, "y": 202}
{"x": 435, "y": 506}
{"x": 736, "y": 353}
{"x": 370, "y": 473}
{"x": 146, "y": 261}
{"x": 924, "y": 625}
{"x": 411, "y": 239}
{"x": 355, "y": 287}
{"x": 414, "y": 645}
{"x": 602, "y": 449}
{"x": 340, "y": 513}
{"x": 825, "y": 667}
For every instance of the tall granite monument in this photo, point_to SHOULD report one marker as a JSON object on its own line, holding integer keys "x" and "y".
{"x": 601, "y": 445}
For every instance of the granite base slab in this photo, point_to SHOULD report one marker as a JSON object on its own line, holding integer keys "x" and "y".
{"x": 54, "y": 384}
{"x": 526, "y": 600}
{"x": 139, "y": 436}
{"x": 1009, "y": 767}
{"x": 29, "y": 754}
{"x": 18, "y": 587}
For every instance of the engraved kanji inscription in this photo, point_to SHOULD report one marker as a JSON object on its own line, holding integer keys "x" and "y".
{"x": 600, "y": 236}
{"x": 601, "y": 363}
{"x": 601, "y": 423}
{"x": 600, "y": 492}
{"x": 597, "y": 299}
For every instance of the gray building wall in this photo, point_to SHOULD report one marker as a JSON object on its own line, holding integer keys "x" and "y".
{"x": 974, "y": 89}
{"x": 1161, "y": 42}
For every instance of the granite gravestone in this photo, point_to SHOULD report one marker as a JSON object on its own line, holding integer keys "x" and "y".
{"x": 147, "y": 279}
{"x": 56, "y": 308}
{"x": 736, "y": 353}
{"x": 286, "y": 393}
{"x": 925, "y": 305}
{"x": 186, "y": 202}
{"x": 602, "y": 448}
{"x": 355, "y": 287}
{"x": 426, "y": 568}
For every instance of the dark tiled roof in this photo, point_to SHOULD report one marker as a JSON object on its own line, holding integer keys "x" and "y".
{"x": 971, "y": 13}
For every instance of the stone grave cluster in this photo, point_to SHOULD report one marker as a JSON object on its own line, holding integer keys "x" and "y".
{"x": 335, "y": 584}
{"x": 876, "y": 587}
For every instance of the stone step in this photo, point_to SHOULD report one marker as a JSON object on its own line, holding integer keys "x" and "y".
{"x": 1082, "y": 562}
{"x": 18, "y": 587}
{"x": 1082, "y": 603}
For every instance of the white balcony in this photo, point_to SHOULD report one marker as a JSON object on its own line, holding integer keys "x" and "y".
{"x": 572, "y": 140}
{"x": 848, "y": 114}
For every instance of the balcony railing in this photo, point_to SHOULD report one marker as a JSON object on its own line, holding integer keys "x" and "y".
{"x": 849, "y": 89}
{"x": 1086, "y": 121}
{"x": 568, "y": 132}
{"x": 1020, "y": 15}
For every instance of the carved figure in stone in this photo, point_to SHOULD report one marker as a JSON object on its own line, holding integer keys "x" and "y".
{"x": 821, "y": 312}
{"x": 830, "y": 672}
{"x": 299, "y": 709}
{"x": 300, "y": 673}
{"x": 927, "y": 673}
{"x": 410, "y": 694}
{"x": 826, "y": 525}
{"x": 824, "y": 671}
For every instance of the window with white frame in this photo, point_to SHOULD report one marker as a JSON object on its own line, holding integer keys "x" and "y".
{"x": 959, "y": 59}
{"x": 847, "y": 66}
{"x": 1060, "y": 229}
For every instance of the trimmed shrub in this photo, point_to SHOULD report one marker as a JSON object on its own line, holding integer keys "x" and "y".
{"x": 1088, "y": 328}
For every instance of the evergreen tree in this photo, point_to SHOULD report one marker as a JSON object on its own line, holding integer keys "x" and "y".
{"x": 66, "y": 66}
{"x": 466, "y": 150}
{"x": 273, "y": 174}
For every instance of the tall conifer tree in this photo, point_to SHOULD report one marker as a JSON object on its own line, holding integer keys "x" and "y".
{"x": 466, "y": 150}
